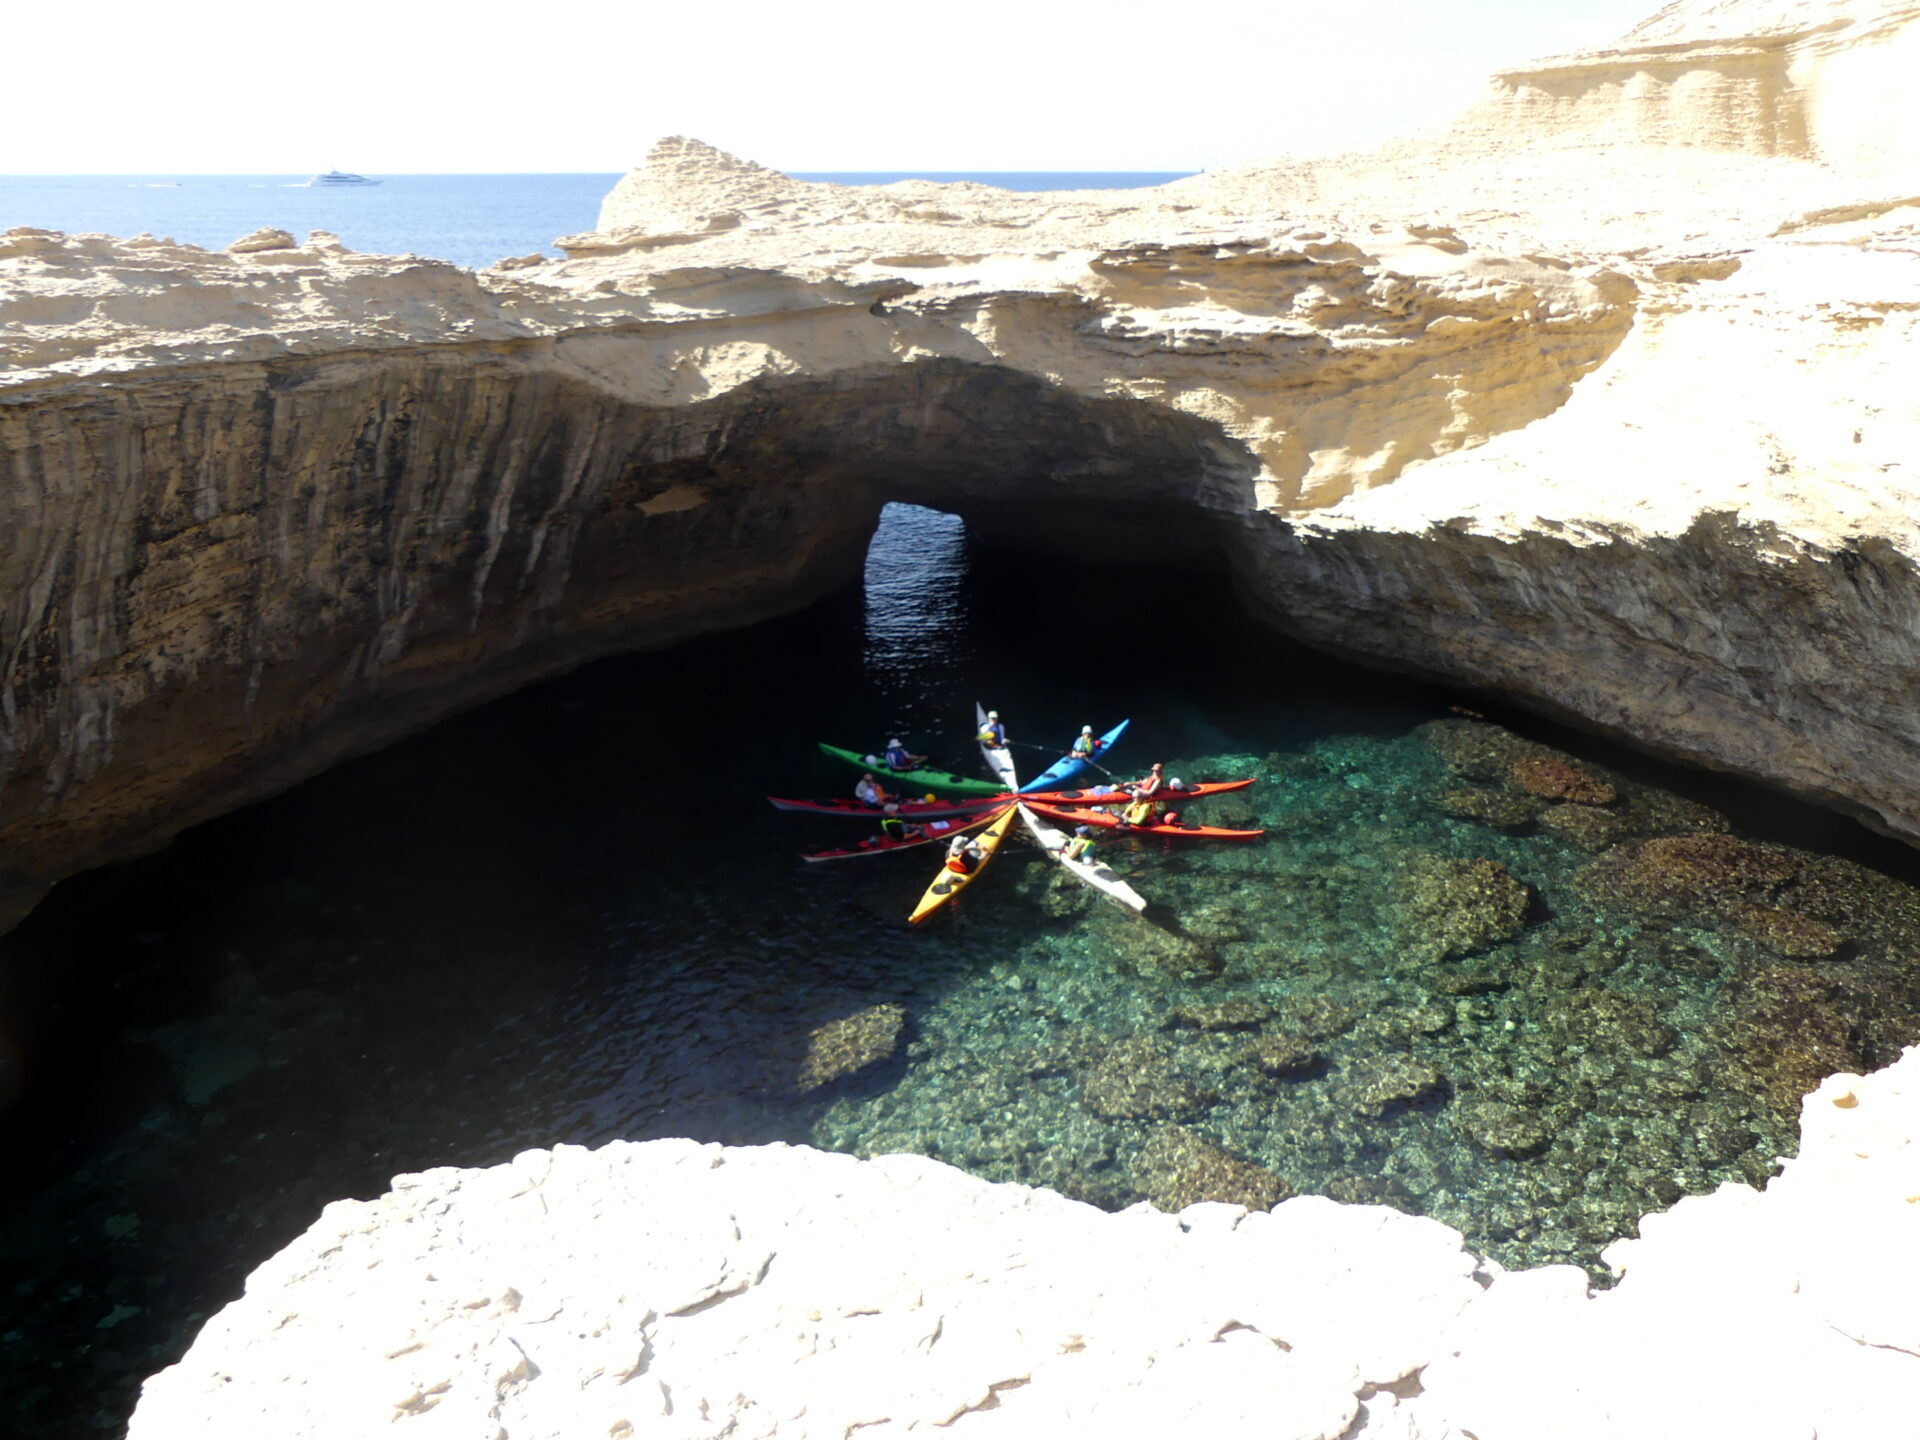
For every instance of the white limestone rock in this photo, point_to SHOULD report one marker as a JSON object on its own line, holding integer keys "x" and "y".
{"x": 676, "y": 1289}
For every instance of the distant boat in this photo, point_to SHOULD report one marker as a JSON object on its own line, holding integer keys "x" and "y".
{"x": 341, "y": 177}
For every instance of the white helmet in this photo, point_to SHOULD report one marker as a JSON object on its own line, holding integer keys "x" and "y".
{"x": 1086, "y": 729}
{"x": 893, "y": 744}
{"x": 1176, "y": 783}
{"x": 993, "y": 714}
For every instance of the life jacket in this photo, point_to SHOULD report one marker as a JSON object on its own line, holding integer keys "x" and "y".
{"x": 900, "y": 759}
{"x": 993, "y": 734}
{"x": 959, "y": 864}
{"x": 893, "y": 827}
{"x": 1085, "y": 746}
{"x": 1139, "y": 813}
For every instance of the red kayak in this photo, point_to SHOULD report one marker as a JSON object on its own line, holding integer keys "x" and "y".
{"x": 914, "y": 810}
{"x": 933, "y": 830}
{"x": 1117, "y": 794}
{"x": 1101, "y": 820}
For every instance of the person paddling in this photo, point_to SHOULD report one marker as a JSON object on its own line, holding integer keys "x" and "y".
{"x": 994, "y": 732}
{"x": 1081, "y": 846}
{"x": 898, "y": 758}
{"x": 963, "y": 854}
{"x": 868, "y": 791}
{"x": 1139, "y": 813}
{"x": 1151, "y": 786}
{"x": 1085, "y": 747}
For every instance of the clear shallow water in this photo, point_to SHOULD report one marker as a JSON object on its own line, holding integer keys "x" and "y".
{"x": 570, "y": 916}
{"x": 472, "y": 220}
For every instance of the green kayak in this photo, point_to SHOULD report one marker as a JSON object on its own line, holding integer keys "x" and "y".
{"x": 915, "y": 779}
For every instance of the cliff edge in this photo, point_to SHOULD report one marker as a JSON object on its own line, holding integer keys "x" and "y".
{"x": 677, "y": 1289}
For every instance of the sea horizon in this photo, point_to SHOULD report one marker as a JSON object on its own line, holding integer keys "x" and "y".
{"x": 473, "y": 220}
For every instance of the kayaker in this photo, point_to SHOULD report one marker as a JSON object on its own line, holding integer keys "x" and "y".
{"x": 1081, "y": 846}
{"x": 868, "y": 791}
{"x": 963, "y": 853}
{"x": 994, "y": 732}
{"x": 1139, "y": 813}
{"x": 898, "y": 758}
{"x": 1151, "y": 786}
{"x": 891, "y": 825}
{"x": 1085, "y": 747}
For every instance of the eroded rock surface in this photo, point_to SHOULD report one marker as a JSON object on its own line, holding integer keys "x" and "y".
{"x": 678, "y": 1289}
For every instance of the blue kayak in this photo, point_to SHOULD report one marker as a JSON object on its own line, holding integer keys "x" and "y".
{"x": 1066, "y": 770}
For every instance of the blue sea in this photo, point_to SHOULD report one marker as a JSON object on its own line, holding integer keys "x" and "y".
{"x": 472, "y": 220}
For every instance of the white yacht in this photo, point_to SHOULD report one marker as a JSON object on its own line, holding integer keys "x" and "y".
{"x": 341, "y": 177}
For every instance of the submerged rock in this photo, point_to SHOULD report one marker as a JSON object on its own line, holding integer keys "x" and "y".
{"x": 1376, "y": 1086}
{"x": 1501, "y": 809}
{"x": 1786, "y": 933}
{"x": 843, "y": 1046}
{"x": 1451, "y": 907}
{"x": 1502, "y": 1128}
{"x": 1584, "y": 826}
{"x": 1178, "y": 1167}
{"x": 1554, "y": 777}
{"x": 1225, "y": 1015}
{"x": 1140, "y": 1079}
{"x": 1284, "y": 1055}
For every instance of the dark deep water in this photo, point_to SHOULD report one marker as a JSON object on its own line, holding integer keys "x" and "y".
{"x": 570, "y": 916}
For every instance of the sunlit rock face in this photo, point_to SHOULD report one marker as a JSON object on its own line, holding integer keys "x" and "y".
{"x": 671, "y": 1288}
{"x": 1619, "y": 424}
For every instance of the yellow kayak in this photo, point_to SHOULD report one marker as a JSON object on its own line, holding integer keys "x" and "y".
{"x": 948, "y": 883}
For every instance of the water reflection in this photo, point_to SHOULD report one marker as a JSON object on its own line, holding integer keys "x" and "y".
{"x": 917, "y": 635}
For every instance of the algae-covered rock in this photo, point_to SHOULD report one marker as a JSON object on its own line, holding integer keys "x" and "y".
{"x": 1475, "y": 749}
{"x": 843, "y": 1046}
{"x": 1787, "y": 933}
{"x": 1450, "y": 907}
{"x": 1378, "y": 1085}
{"x": 1318, "y": 1017}
{"x": 1225, "y": 1015}
{"x": 1158, "y": 953}
{"x": 1500, "y": 809}
{"x": 1284, "y": 1055}
{"x": 1554, "y": 777}
{"x": 1696, "y": 875}
{"x": 1585, "y": 826}
{"x": 1140, "y": 1079}
{"x": 1785, "y": 1028}
{"x": 1610, "y": 1020}
{"x": 1177, "y": 1168}
{"x": 1502, "y": 1128}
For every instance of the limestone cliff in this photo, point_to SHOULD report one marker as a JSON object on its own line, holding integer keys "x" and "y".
{"x": 1614, "y": 417}
{"x": 675, "y": 1289}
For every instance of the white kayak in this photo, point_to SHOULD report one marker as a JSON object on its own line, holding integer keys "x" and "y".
{"x": 999, "y": 761}
{"x": 1090, "y": 872}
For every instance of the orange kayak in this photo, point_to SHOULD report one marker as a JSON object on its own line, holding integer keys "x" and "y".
{"x": 1101, "y": 820}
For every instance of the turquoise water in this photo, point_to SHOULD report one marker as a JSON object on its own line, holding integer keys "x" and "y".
{"x": 472, "y": 220}
{"x": 1475, "y": 970}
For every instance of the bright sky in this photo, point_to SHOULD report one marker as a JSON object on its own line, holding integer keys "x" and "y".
{"x": 399, "y": 86}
